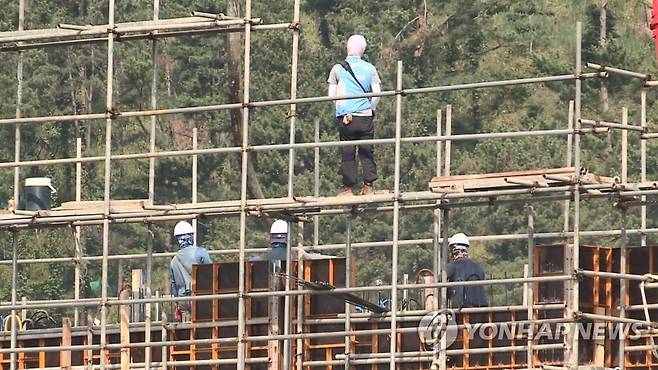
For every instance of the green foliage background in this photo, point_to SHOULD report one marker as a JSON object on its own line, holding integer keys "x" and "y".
{"x": 453, "y": 42}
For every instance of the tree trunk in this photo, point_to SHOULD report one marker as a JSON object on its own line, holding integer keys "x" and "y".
{"x": 235, "y": 95}
{"x": 602, "y": 43}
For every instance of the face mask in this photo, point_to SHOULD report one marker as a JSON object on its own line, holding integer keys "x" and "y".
{"x": 185, "y": 241}
{"x": 278, "y": 245}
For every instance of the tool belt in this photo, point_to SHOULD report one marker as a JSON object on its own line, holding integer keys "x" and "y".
{"x": 347, "y": 119}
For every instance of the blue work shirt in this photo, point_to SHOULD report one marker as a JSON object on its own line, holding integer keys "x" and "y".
{"x": 367, "y": 75}
{"x": 181, "y": 268}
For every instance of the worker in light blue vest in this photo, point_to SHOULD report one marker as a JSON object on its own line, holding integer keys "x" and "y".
{"x": 181, "y": 265}
{"x": 354, "y": 117}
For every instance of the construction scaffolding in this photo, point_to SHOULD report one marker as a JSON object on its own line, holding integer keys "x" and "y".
{"x": 572, "y": 185}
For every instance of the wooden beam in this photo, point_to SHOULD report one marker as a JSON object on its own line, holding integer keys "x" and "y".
{"x": 65, "y": 356}
{"x": 125, "y": 331}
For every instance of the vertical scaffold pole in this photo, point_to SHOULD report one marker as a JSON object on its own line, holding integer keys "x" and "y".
{"x": 530, "y": 286}
{"x": 151, "y": 193}
{"x": 643, "y": 167}
{"x": 444, "y": 252}
{"x": 445, "y": 219}
{"x": 623, "y": 241}
{"x": 624, "y": 146}
{"x": 446, "y": 171}
{"x": 19, "y": 103}
{"x": 572, "y": 347}
{"x": 108, "y": 179}
{"x": 299, "y": 355}
{"x": 567, "y": 202}
{"x": 77, "y": 231}
{"x": 348, "y": 283}
{"x": 17, "y": 156}
{"x": 14, "y": 296}
{"x": 242, "y": 333}
{"x": 396, "y": 217}
{"x": 287, "y": 344}
{"x": 436, "y": 246}
{"x": 316, "y": 181}
{"x": 195, "y": 171}
{"x": 154, "y": 103}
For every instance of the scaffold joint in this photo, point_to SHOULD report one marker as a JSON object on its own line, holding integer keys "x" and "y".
{"x": 295, "y": 26}
{"x": 113, "y": 113}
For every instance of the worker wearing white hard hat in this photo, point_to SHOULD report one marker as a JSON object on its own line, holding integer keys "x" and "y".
{"x": 462, "y": 268}
{"x": 181, "y": 265}
{"x": 278, "y": 242}
{"x": 279, "y": 239}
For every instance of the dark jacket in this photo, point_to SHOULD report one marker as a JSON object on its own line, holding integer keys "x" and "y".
{"x": 466, "y": 296}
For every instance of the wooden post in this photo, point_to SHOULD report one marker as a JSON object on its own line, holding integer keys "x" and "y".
{"x": 125, "y": 331}
{"x": 65, "y": 356}
{"x": 137, "y": 310}
{"x": 273, "y": 346}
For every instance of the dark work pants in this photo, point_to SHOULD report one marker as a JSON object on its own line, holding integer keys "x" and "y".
{"x": 361, "y": 128}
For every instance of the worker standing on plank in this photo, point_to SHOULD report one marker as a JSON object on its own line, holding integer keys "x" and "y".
{"x": 354, "y": 117}
{"x": 462, "y": 268}
{"x": 181, "y": 265}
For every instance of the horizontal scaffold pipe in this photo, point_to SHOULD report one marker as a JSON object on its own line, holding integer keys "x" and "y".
{"x": 154, "y": 364}
{"x": 67, "y": 32}
{"x": 614, "y": 125}
{"x": 226, "y": 150}
{"x": 449, "y": 352}
{"x": 339, "y": 246}
{"x": 258, "y": 207}
{"x": 143, "y": 36}
{"x": 341, "y": 356}
{"x": 619, "y": 71}
{"x": 90, "y": 303}
{"x": 219, "y": 107}
{"x": 614, "y": 275}
{"x": 258, "y": 339}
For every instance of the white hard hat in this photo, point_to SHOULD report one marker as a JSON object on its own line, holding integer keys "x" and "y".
{"x": 279, "y": 227}
{"x": 182, "y": 228}
{"x": 279, "y": 232}
{"x": 459, "y": 239}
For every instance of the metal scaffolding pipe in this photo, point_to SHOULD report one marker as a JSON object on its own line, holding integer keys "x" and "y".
{"x": 310, "y": 145}
{"x": 572, "y": 295}
{"x": 154, "y": 35}
{"x": 429, "y": 358}
{"x": 242, "y": 331}
{"x": 211, "y": 108}
{"x": 106, "y": 302}
{"x": 622, "y": 72}
{"x": 66, "y": 31}
{"x": 621, "y": 126}
{"x": 614, "y": 275}
{"x": 107, "y": 185}
{"x": 266, "y": 338}
{"x": 339, "y": 246}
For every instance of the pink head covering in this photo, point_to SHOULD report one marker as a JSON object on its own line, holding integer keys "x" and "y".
{"x": 356, "y": 45}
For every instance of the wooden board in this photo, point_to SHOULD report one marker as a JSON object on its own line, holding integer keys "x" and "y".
{"x": 546, "y": 171}
{"x": 515, "y": 179}
{"x": 98, "y": 204}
